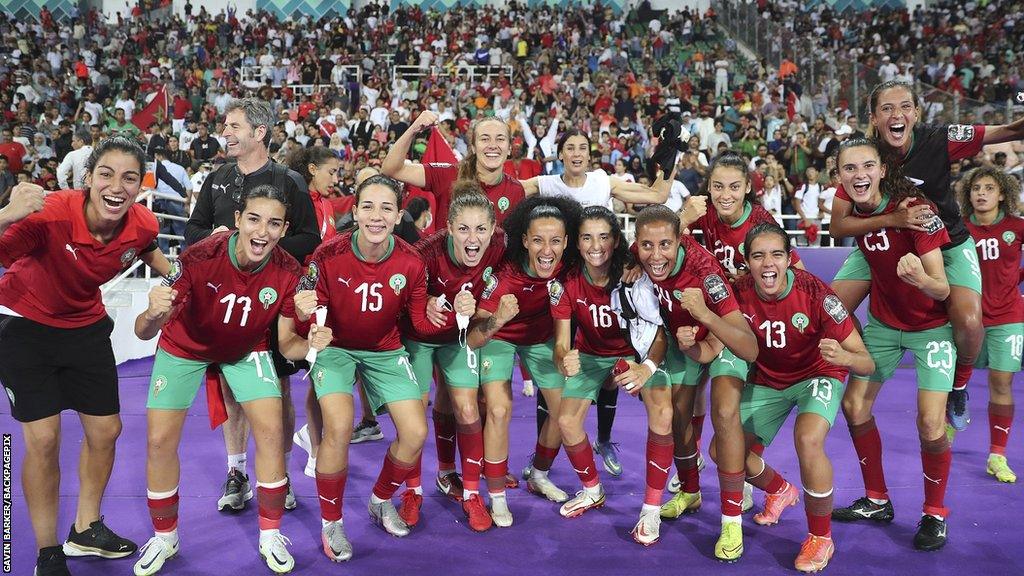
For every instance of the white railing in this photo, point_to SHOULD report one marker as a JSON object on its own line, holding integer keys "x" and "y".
{"x": 148, "y": 197}
{"x": 254, "y": 77}
{"x": 628, "y": 222}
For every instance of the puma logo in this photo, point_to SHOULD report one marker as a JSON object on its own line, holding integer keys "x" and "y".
{"x": 333, "y": 501}
{"x": 749, "y": 317}
{"x": 396, "y": 484}
{"x": 214, "y": 287}
{"x": 529, "y": 288}
{"x": 1001, "y": 429}
{"x": 583, "y": 301}
{"x": 583, "y": 472}
{"x": 735, "y": 503}
{"x": 729, "y": 361}
{"x": 73, "y": 250}
{"x": 610, "y": 406}
{"x": 442, "y": 282}
{"x": 665, "y": 470}
{"x": 932, "y": 480}
{"x": 479, "y": 462}
{"x": 864, "y": 461}
{"x": 344, "y": 281}
{"x": 447, "y": 438}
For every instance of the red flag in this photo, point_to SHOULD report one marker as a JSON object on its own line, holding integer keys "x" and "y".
{"x": 155, "y": 111}
{"x": 438, "y": 150}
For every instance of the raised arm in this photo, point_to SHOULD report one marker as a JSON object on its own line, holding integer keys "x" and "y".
{"x": 394, "y": 164}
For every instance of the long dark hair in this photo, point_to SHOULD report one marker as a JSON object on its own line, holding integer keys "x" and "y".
{"x": 300, "y": 159}
{"x": 518, "y": 222}
{"x": 894, "y": 185}
{"x": 1009, "y": 187}
{"x": 269, "y": 192}
{"x": 123, "y": 144}
{"x": 569, "y": 134}
{"x": 621, "y": 256}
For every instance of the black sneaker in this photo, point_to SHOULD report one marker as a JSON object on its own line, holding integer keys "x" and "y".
{"x": 931, "y": 533}
{"x": 957, "y": 412}
{"x": 51, "y": 562}
{"x": 237, "y": 491}
{"x": 864, "y": 509}
{"x": 98, "y": 540}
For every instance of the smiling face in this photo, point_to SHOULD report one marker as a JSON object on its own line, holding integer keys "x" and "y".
{"x": 325, "y": 176}
{"x": 768, "y": 260}
{"x": 861, "y": 172}
{"x": 575, "y": 155}
{"x": 491, "y": 144}
{"x": 545, "y": 242}
{"x": 470, "y": 231}
{"x": 657, "y": 247}
{"x": 596, "y": 242}
{"x": 894, "y": 117}
{"x": 376, "y": 213}
{"x": 728, "y": 187}
{"x": 260, "y": 223}
{"x": 241, "y": 137}
{"x": 985, "y": 195}
{"x": 113, "y": 186}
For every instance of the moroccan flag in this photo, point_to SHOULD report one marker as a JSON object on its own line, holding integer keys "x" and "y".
{"x": 438, "y": 150}
{"x": 155, "y": 111}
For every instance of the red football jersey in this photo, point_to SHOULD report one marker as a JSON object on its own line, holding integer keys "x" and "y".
{"x": 695, "y": 268}
{"x": 223, "y": 313}
{"x": 56, "y": 267}
{"x": 446, "y": 276}
{"x": 365, "y": 299}
{"x": 999, "y": 250}
{"x": 599, "y": 330}
{"x": 441, "y": 176}
{"x": 894, "y": 302}
{"x": 790, "y": 328}
{"x": 533, "y": 324}
{"x": 725, "y": 241}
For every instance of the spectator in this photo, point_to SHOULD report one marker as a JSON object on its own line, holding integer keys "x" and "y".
{"x": 172, "y": 195}
{"x": 74, "y": 163}
{"x": 805, "y": 203}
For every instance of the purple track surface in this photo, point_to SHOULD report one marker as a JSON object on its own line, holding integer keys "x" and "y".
{"x": 984, "y": 536}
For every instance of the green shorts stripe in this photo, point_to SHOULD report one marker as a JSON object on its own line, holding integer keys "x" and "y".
{"x": 175, "y": 381}
{"x": 497, "y": 359}
{"x": 1002, "y": 348}
{"x": 763, "y": 410}
{"x": 933, "y": 349}
{"x": 387, "y": 376}
{"x": 458, "y": 365}
{"x": 595, "y": 371}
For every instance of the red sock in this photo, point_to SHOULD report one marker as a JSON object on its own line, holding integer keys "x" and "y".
{"x": 757, "y": 448}
{"x": 415, "y": 477}
{"x": 1000, "y": 418}
{"x": 582, "y": 459}
{"x": 770, "y": 481}
{"x": 961, "y": 374}
{"x": 659, "y": 462}
{"x": 936, "y": 457}
{"x": 392, "y": 475}
{"x": 868, "y": 444}
{"x": 731, "y": 484}
{"x": 819, "y": 513}
{"x": 444, "y": 440}
{"x": 164, "y": 512}
{"x": 471, "y": 445}
{"x": 697, "y": 425}
{"x": 331, "y": 489}
{"x": 544, "y": 456}
{"x": 689, "y": 476}
{"x": 271, "y": 504}
{"x": 495, "y": 473}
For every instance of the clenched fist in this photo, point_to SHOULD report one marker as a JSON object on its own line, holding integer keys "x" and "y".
{"x": 911, "y": 271}
{"x": 833, "y": 352}
{"x": 305, "y": 304}
{"x": 693, "y": 302}
{"x": 694, "y": 208}
{"x": 161, "y": 300}
{"x": 426, "y": 119}
{"x": 571, "y": 363}
{"x": 508, "y": 308}
{"x": 686, "y": 337}
{"x": 320, "y": 337}
{"x": 26, "y": 198}
{"x": 465, "y": 303}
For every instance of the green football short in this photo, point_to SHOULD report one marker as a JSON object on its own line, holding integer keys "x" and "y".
{"x": 497, "y": 358}
{"x": 595, "y": 371}
{"x": 686, "y": 371}
{"x": 933, "y": 349}
{"x": 763, "y": 410}
{"x": 960, "y": 262}
{"x": 457, "y": 364}
{"x": 387, "y": 376}
{"x": 175, "y": 381}
{"x": 1002, "y": 348}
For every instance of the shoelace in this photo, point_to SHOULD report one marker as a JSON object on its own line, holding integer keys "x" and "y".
{"x": 613, "y": 446}
{"x": 278, "y": 542}
{"x": 812, "y": 546}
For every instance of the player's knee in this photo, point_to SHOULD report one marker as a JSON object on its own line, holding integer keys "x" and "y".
{"x": 103, "y": 433}
{"x": 661, "y": 419}
{"x": 724, "y": 415}
{"x": 414, "y": 434}
{"x": 498, "y": 412}
{"x": 855, "y": 410}
{"x": 467, "y": 413}
{"x": 931, "y": 426}
{"x": 809, "y": 445}
{"x": 568, "y": 424}
{"x": 43, "y": 443}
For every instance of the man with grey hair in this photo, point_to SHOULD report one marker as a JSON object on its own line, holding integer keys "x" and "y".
{"x": 74, "y": 162}
{"x": 247, "y": 126}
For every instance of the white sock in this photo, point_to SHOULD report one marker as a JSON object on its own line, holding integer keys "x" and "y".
{"x": 418, "y": 490}
{"x": 594, "y": 490}
{"x": 923, "y": 514}
{"x": 878, "y": 501}
{"x": 324, "y": 523}
{"x": 268, "y": 535}
{"x": 374, "y": 500}
{"x": 732, "y": 519}
{"x": 467, "y": 493}
{"x": 650, "y": 509}
{"x": 238, "y": 462}
{"x": 538, "y": 474}
{"x": 311, "y": 462}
